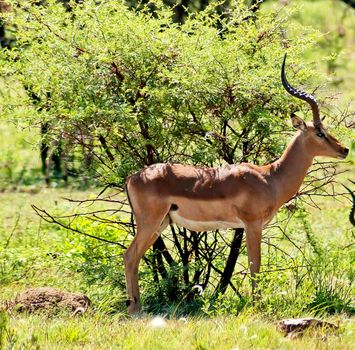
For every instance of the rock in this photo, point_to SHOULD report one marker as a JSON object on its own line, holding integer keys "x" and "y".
{"x": 293, "y": 328}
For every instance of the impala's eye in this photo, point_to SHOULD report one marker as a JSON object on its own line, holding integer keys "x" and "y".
{"x": 320, "y": 134}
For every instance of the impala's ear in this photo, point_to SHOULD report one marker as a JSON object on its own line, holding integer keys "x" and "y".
{"x": 298, "y": 122}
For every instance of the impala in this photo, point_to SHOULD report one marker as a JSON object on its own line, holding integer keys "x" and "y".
{"x": 235, "y": 196}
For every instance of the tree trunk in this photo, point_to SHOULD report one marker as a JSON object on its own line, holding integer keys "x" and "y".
{"x": 180, "y": 11}
{"x": 231, "y": 261}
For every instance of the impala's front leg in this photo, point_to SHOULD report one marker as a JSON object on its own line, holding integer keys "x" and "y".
{"x": 253, "y": 238}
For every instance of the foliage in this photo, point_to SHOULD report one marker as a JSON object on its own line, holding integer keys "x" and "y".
{"x": 197, "y": 93}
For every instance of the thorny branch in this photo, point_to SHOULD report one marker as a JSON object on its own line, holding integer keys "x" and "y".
{"x": 43, "y": 214}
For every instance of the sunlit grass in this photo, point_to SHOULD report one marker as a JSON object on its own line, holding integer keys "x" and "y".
{"x": 114, "y": 332}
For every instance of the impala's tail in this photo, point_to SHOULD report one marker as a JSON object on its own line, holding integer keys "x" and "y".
{"x": 128, "y": 198}
{"x": 131, "y": 206}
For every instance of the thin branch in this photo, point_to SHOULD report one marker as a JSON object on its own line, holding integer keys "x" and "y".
{"x": 43, "y": 214}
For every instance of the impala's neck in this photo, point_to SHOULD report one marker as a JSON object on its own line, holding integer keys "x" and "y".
{"x": 289, "y": 171}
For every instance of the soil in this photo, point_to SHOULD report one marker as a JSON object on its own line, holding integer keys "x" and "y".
{"x": 52, "y": 299}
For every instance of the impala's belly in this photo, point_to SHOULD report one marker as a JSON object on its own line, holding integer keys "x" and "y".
{"x": 200, "y": 226}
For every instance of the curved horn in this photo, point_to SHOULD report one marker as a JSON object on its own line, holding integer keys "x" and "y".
{"x": 302, "y": 95}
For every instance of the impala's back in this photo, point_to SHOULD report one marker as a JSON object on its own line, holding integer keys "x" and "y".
{"x": 203, "y": 199}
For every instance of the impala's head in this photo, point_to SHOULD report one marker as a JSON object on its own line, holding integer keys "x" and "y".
{"x": 317, "y": 138}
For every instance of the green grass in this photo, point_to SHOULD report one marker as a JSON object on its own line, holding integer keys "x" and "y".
{"x": 27, "y": 244}
{"x": 102, "y": 332}
{"x": 19, "y": 156}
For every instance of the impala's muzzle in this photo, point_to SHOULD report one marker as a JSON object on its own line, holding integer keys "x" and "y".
{"x": 344, "y": 153}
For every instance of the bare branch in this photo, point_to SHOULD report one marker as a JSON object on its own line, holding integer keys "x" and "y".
{"x": 43, "y": 214}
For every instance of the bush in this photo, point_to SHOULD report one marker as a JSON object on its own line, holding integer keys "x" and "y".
{"x": 147, "y": 90}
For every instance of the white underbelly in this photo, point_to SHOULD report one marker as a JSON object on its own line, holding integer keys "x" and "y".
{"x": 201, "y": 226}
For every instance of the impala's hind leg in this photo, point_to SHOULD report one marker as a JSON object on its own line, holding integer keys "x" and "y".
{"x": 148, "y": 231}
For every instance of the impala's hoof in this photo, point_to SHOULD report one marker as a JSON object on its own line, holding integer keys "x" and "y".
{"x": 134, "y": 307}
